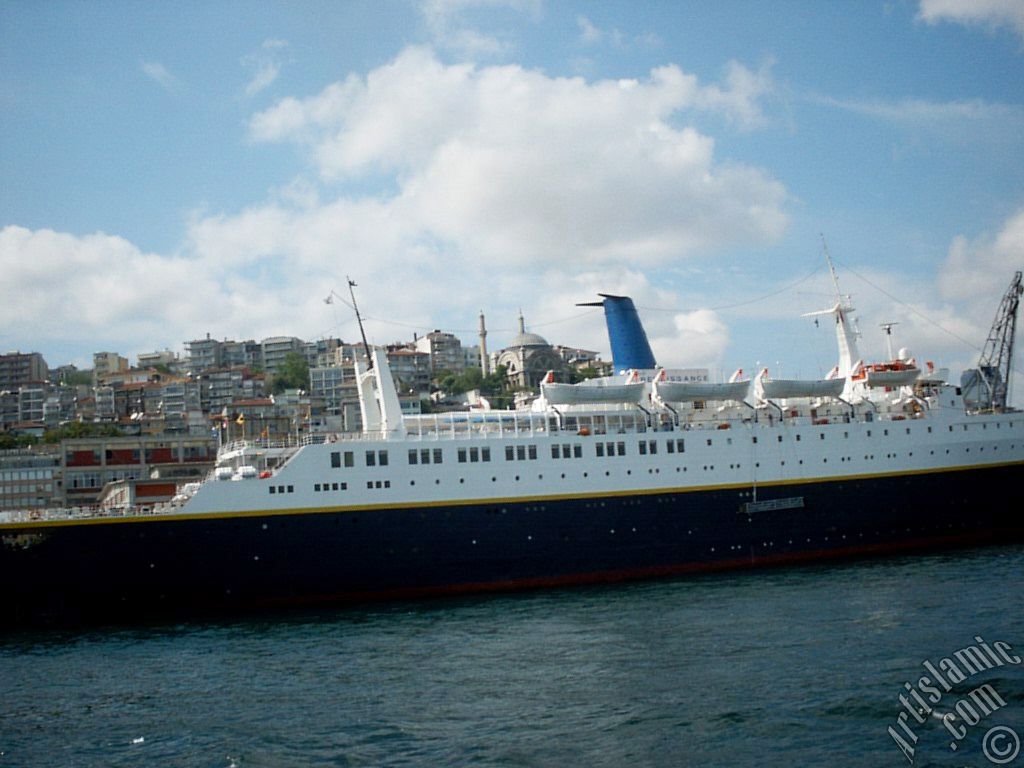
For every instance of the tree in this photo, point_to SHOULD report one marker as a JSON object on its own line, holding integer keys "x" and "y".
{"x": 9, "y": 441}
{"x": 293, "y": 373}
{"x": 75, "y": 378}
{"x": 581, "y": 374}
{"x": 496, "y": 382}
{"x": 77, "y": 429}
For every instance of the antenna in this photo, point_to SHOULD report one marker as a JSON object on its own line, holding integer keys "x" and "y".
{"x": 366, "y": 347}
{"x": 831, "y": 269}
{"x": 888, "y": 338}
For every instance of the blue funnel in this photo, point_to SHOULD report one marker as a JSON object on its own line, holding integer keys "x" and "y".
{"x": 630, "y": 348}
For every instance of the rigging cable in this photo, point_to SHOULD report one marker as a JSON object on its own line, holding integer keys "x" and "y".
{"x": 917, "y": 312}
{"x": 747, "y": 301}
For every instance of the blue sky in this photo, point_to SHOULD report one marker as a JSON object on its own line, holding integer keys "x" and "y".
{"x": 169, "y": 170}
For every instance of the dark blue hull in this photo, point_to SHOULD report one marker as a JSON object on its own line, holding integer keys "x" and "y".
{"x": 123, "y": 569}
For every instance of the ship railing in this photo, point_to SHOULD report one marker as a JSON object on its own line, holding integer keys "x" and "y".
{"x": 83, "y": 512}
{"x": 488, "y": 424}
{"x": 482, "y": 424}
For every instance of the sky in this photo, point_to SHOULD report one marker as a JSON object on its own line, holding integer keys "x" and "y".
{"x": 172, "y": 170}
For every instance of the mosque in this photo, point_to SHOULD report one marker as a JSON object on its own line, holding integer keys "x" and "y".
{"x": 528, "y": 357}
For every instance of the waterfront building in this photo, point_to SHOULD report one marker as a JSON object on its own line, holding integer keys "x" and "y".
{"x": 107, "y": 364}
{"x": 17, "y": 369}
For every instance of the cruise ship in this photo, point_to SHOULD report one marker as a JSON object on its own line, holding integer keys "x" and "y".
{"x": 632, "y": 476}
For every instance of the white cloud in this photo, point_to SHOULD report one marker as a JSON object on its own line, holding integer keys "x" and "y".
{"x": 266, "y": 73}
{"x": 159, "y": 73}
{"x": 449, "y": 189}
{"x": 509, "y": 166}
{"x": 988, "y": 13}
{"x": 589, "y": 34}
{"x": 60, "y": 286}
{"x": 974, "y": 124}
{"x": 700, "y": 339}
{"x": 449, "y": 28}
{"x": 265, "y": 65}
{"x": 923, "y": 113}
{"x": 983, "y": 267}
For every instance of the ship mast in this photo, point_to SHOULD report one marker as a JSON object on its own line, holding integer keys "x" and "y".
{"x": 359, "y": 319}
{"x": 846, "y": 335}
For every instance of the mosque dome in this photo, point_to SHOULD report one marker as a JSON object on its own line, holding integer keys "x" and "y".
{"x": 528, "y": 340}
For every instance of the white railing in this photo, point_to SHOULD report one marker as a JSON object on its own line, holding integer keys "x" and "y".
{"x": 83, "y": 513}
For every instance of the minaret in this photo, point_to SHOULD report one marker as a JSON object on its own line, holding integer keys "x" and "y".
{"x": 483, "y": 346}
{"x": 522, "y": 325}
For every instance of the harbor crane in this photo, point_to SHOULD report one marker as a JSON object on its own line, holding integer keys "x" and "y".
{"x": 989, "y": 384}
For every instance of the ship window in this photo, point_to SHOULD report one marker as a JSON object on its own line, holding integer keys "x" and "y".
{"x": 653, "y": 446}
{"x": 382, "y": 458}
{"x": 670, "y": 446}
{"x": 643, "y": 448}
{"x": 577, "y": 451}
{"x": 485, "y": 454}
{"x": 509, "y": 454}
{"x": 599, "y": 449}
{"x": 753, "y": 439}
{"x": 885, "y": 433}
{"x": 316, "y": 486}
{"x": 709, "y": 440}
{"x": 929, "y": 430}
{"x": 869, "y": 433}
{"x": 273, "y": 489}
{"x": 437, "y": 455}
{"x": 554, "y": 452}
{"x": 908, "y": 430}
{"x": 798, "y": 438}
{"x": 462, "y": 455}
{"x": 350, "y": 459}
{"x": 521, "y": 452}
{"x": 424, "y": 456}
{"x": 566, "y": 451}
{"x": 532, "y": 451}
{"x": 680, "y": 446}
{"x": 335, "y": 459}
{"x": 822, "y": 435}
{"x": 387, "y": 483}
{"x": 779, "y": 438}
{"x": 291, "y": 489}
{"x": 474, "y": 454}
{"x": 413, "y": 456}
{"x": 371, "y": 459}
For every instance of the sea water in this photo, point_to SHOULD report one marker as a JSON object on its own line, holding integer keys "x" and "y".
{"x": 799, "y": 666}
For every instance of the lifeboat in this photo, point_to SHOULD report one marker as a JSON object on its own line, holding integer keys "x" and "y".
{"x": 897, "y": 373}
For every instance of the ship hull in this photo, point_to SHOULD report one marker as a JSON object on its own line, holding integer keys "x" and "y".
{"x": 124, "y": 569}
